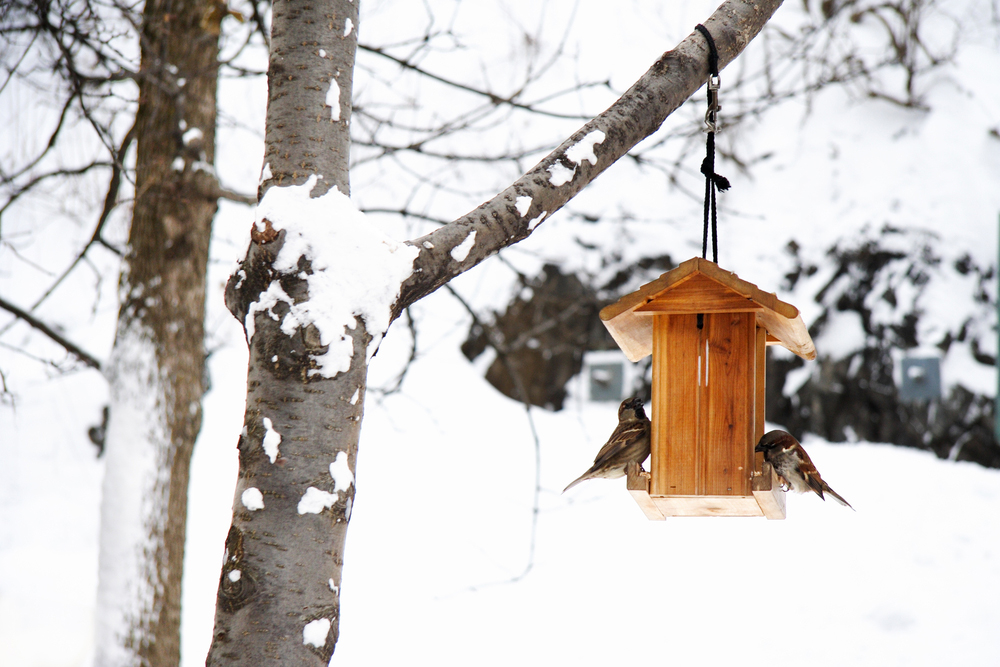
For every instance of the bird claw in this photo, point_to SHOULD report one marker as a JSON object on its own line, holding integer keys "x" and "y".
{"x": 638, "y": 470}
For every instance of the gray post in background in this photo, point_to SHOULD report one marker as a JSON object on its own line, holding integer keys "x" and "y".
{"x": 996, "y": 401}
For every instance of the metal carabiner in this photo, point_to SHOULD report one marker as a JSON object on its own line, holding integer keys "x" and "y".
{"x": 714, "y": 81}
{"x": 713, "y": 102}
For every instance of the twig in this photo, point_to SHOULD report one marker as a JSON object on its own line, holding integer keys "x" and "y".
{"x": 502, "y": 353}
{"x": 231, "y": 195}
{"x": 492, "y": 97}
{"x": 109, "y": 204}
{"x": 412, "y": 325}
{"x": 51, "y": 333}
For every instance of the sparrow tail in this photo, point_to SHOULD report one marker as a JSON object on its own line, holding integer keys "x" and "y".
{"x": 575, "y": 482}
{"x": 838, "y": 498}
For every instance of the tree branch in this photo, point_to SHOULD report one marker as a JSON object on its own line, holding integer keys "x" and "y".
{"x": 637, "y": 114}
{"x": 110, "y": 201}
{"x": 221, "y": 192}
{"x": 503, "y": 350}
{"x": 51, "y": 333}
{"x": 494, "y": 99}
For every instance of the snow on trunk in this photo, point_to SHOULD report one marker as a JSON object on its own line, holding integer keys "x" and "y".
{"x": 157, "y": 366}
{"x": 134, "y": 501}
{"x": 314, "y": 293}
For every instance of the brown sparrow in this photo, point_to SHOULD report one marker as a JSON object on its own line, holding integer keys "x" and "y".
{"x": 629, "y": 443}
{"x": 793, "y": 465}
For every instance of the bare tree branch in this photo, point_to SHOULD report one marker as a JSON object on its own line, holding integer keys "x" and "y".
{"x": 221, "y": 192}
{"x": 72, "y": 348}
{"x": 405, "y": 213}
{"x": 110, "y": 201}
{"x": 492, "y": 97}
{"x": 496, "y": 341}
{"x": 637, "y": 114}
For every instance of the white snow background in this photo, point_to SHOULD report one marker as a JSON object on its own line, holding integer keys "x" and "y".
{"x": 446, "y": 468}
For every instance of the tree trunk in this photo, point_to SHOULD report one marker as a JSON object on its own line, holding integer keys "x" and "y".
{"x": 157, "y": 364}
{"x": 278, "y": 593}
{"x": 278, "y": 599}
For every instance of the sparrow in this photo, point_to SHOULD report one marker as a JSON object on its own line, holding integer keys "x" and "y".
{"x": 629, "y": 443}
{"x": 793, "y": 465}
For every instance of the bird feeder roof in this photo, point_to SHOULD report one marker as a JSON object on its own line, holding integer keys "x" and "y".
{"x": 700, "y": 286}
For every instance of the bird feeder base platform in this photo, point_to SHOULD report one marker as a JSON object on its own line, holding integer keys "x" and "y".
{"x": 768, "y": 499}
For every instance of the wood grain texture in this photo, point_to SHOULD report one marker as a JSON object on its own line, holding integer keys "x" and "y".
{"x": 704, "y": 393}
{"x": 761, "y": 395}
{"x": 699, "y": 294}
{"x": 637, "y": 484}
{"x": 768, "y": 494}
{"x": 791, "y": 333}
{"x": 728, "y": 399}
{"x": 684, "y": 272}
{"x": 700, "y": 286}
{"x": 634, "y": 335}
{"x": 708, "y": 414}
{"x": 675, "y": 405}
{"x": 707, "y": 506}
{"x": 760, "y": 372}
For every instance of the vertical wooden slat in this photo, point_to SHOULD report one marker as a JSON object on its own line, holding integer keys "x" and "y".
{"x": 756, "y": 341}
{"x": 729, "y": 393}
{"x": 760, "y": 373}
{"x": 702, "y": 415}
{"x": 675, "y": 389}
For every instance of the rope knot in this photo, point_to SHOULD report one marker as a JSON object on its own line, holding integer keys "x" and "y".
{"x": 713, "y": 181}
{"x": 720, "y": 181}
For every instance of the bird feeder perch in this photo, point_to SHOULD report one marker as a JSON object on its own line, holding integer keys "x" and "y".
{"x": 707, "y": 331}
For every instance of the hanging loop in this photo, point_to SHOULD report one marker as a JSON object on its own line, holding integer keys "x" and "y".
{"x": 713, "y": 181}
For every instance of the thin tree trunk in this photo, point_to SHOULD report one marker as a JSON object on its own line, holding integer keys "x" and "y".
{"x": 278, "y": 599}
{"x": 157, "y": 364}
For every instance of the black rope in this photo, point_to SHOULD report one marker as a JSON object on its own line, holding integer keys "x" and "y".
{"x": 713, "y": 180}
{"x": 713, "y": 53}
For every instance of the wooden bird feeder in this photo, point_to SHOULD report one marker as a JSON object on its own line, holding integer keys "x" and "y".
{"x": 707, "y": 331}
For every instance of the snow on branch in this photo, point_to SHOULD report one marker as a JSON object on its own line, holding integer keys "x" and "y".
{"x": 513, "y": 214}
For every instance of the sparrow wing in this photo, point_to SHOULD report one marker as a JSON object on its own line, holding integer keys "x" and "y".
{"x": 806, "y": 470}
{"x": 811, "y": 475}
{"x": 624, "y": 433}
{"x": 816, "y": 482}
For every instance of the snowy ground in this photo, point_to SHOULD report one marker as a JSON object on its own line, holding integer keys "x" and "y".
{"x": 446, "y": 468}
{"x": 443, "y": 518}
